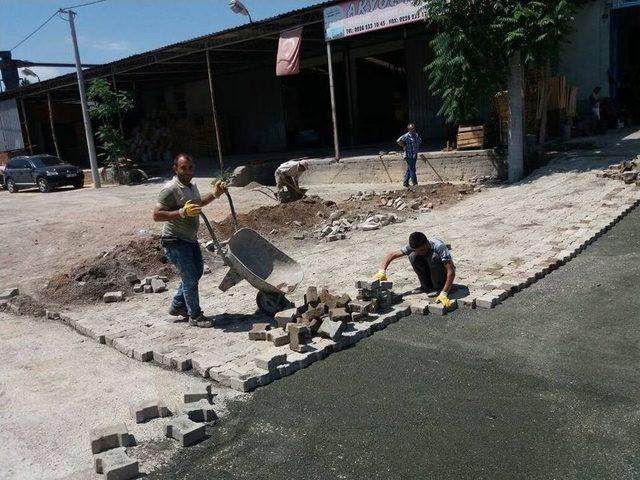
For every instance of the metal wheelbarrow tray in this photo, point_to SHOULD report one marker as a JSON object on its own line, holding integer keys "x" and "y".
{"x": 253, "y": 258}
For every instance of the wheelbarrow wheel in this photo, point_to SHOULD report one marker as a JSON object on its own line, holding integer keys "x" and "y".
{"x": 271, "y": 303}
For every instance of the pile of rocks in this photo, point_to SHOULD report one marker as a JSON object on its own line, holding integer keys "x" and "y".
{"x": 151, "y": 284}
{"x": 340, "y": 223}
{"x": 627, "y": 171}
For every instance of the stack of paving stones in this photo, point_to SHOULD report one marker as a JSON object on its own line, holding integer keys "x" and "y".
{"x": 152, "y": 284}
{"x": 109, "y": 449}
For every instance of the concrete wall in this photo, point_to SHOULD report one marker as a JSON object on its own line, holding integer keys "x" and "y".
{"x": 585, "y": 56}
{"x": 451, "y": 166}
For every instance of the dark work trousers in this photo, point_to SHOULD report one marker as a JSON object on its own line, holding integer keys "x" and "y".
{"x": 410, "y": 173}
{"x": 430, "y": 271}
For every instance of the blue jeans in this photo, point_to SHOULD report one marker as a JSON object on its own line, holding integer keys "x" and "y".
{"x": 411, "y": 171}
{"x": 187, "y": 258}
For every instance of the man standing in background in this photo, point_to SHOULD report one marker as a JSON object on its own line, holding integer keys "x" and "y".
{"x": 410, "y": 143}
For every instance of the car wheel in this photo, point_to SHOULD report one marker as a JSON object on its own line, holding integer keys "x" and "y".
{"x": 43, "y": 185}
{"x": 11, "y": 186}
{"x": 79, "y": 184}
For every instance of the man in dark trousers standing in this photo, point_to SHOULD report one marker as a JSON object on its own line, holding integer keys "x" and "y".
{"x": 410, "y": 143}
{"x": 179, "y": 205}
{"x": 432, "y": 262}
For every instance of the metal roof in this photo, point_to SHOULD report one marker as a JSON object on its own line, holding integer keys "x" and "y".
{"x": 242, "y": 46}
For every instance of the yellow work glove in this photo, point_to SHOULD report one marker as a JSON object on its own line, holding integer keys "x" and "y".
{"x": 190, "y": 209}
{"x": 380, "y": 276}
{"x": 443, "y": 298}
{"x": 219, "y": 188}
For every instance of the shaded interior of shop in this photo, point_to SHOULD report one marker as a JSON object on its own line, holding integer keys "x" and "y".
{"x": 625, "y": 60}
{"x": 380, "y": 86}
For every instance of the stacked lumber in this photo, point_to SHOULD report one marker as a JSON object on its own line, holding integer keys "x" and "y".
{"x": 471, "y": 137}
{"x": 562, "y": 96}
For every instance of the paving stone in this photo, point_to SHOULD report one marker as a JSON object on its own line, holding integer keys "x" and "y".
{"x": 486, "y": 301}
{"x": 343, "y": 300}
{"x": 311, "y": 297}
{"x": 437, "y": 309}
{"x": 148, "y": 410}
{"x": 115, "y": 464}
{"x": 201, "y": 393}
{"x": 419, "y": 307}
{"x": 360, "y": 316}
{"x": 184, "y": 430}
{"x": 8, "y": 293}
{"x": 269, "y": 360}
{"x": 106, "y": 438}
{"x": 297, "y": 336}
{"x": 142, "y": 354}
{"x": 199, "y": 411}
{"x": 111, "y": 297}
{"x": 259, "y": 331}
{"x": 331, "y": 329}
{"x": 278, "y": 337}
{"x": 328, "y": 298}
{"x": 403, "y": 310}
{"x": 132, "y": 278}
{"x": 181, "y": 363}
{"x": 339, "y": 315}
{"x": 158, "y": 286}
{"x": 147, "y": 288}
{"x": 138, "y": 288}
{"x": 467, "y": 302}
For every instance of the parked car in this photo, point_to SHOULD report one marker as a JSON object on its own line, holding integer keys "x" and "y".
{"x": 43, "y": 171}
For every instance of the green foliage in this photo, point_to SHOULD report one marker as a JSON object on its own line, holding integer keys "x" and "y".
{"x": 474, "y": 40}
{"x": 106, "y": 107}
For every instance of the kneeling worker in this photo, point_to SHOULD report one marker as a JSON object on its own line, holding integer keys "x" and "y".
{"x": 287, "y": 176}
{"x": 179, "y": 204}
{"x": 432, "y": 262}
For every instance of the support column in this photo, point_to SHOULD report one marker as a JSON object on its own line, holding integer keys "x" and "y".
{"x": 214, "y": 112}
{"x": 52, "y": 125}
{"x": 516, "y": 119}
{"x": 334, "y": 117}
{"x": 347, "y": 74}
{"x": 26, "y": 125}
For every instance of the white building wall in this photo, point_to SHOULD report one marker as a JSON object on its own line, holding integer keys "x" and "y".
{"x": 584, "y": 59}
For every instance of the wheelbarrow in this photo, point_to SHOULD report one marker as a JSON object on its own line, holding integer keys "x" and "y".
{"x": 253, "y": 258}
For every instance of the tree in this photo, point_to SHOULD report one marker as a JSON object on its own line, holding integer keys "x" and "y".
{"x": 107, "y": 105}
{"x": 481, "y": 45}
{"x": 476, "y": 38}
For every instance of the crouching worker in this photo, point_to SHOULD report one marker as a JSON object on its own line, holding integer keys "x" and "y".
{"x": 432, "y": 262}
{"x": 287, "y": 178}
{"x": 179, "y": 204}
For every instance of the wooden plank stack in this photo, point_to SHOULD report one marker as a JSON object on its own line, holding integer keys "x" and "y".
{"x": 471, "y": 137}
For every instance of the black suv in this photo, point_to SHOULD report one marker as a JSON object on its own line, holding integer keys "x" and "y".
{"x": 42, "y": 171}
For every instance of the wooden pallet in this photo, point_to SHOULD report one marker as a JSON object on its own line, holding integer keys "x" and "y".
{"x": 471, "y": 137}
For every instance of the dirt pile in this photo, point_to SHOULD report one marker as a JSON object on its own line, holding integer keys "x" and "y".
{"x": 23, "y": 304}
{"x": 282, "y": 218}
{"x": 89, "y": 280}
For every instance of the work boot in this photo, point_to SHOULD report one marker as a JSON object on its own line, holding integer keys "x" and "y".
{"x": 201, "y": 321}
{"x": 178, "y": 311}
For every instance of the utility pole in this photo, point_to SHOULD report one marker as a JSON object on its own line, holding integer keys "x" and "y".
{"x": 332, "y": 94}
{"x": 91, "y": 148}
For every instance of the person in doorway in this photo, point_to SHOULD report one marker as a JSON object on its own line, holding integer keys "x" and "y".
{"x": 410, "y": 143}
{"x": 179, "y": 204}
{"x": 432, "y": 262}
{"x": 287, "y": 180}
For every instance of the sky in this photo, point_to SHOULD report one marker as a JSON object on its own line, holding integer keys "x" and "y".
{"x": 116, "y": 29}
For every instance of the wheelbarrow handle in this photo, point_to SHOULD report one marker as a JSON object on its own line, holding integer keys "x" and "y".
{"x": 216, "y": 243}
{"x": 233, "y": 211}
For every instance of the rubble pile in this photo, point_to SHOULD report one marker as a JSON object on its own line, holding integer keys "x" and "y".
{"x": 340, "y": 223}
{"x": 628, "y": 171}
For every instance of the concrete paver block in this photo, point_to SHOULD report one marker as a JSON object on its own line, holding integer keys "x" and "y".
{"x": 138, "y": 288}
{"x": 106, "y": 438}
{"x": 486, "y": 301}
{"x": 297, "y": 336}
{"x": 331, "y": 329}
{"x": 200, "y": 411}
{"x": 111, "y": 297}
{"x": 201, "y": 393}
{"x": 339, "y": 315}
{"x": 147, "y": 288}
{"x": 270, "y": 360}
{"x": 278, "y": 337}
{"x": 115, "y": 464}
{"x": 149, "y": 410}
{"x": 158, "y": 285}
{"x": 8, "y": 293}
{"x": 259, "y": 331}
{"x": 403, "y": 310}
{"x": 467, "y": 302}
{"x": 285, "y": 316}
{"x": 311, "y": 297}
{"x": 184, "y": 430}
{"x": 343, "y": 300}
{"x": 437, "y": 309}
{"x": 419, "y": 307}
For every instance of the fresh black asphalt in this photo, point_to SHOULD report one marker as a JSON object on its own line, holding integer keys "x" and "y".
{"x": 546, "y": 386}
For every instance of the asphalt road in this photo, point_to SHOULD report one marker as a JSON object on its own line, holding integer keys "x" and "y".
{"x": 544, "y": 387}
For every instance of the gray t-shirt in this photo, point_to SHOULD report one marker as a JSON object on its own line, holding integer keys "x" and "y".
{"x": 437, "y": 246}
{"x": 173, "y": 196}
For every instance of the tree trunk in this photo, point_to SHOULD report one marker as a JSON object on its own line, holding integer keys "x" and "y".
{"x": 516, "y": 119}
